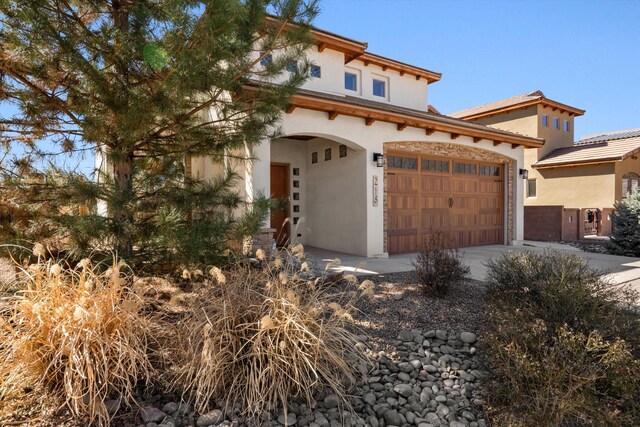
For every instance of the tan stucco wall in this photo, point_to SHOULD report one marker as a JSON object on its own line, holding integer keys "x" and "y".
{"x": 575, "y": 187}
{"x": 623, "y": 167}
{"x": 336, "y": 201}
{"x": 522, "y": 121}
{"x": 554, "y": 138}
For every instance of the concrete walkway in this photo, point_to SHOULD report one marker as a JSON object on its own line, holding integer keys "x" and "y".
{"x": 618, "y": 269}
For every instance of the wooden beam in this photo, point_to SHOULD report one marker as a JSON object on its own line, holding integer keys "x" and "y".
{"x": 402, "y": 126}
{"x": 496, "y": 143}
{"x": 369, "y": 121}
{"x": 455, "y": 135}
{"x": 384, "y": 68}
{"x": 290, "y": 108}
{"x": 634, "y": 157}
{"x": 477, "y": 139}
{"x": 429, "y": 131}
{"x": 418, "y": 77}
{"x": 366, "y": 63}
{"x": 401, "y": 73}
{"x": 333, "y": 115}
{"x": 514, "y": 146}
{"x": 322, "y": 47}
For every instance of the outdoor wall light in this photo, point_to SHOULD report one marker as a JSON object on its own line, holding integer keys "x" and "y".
{"x": 379, "y": 159}
{"x": 524, "y": 173}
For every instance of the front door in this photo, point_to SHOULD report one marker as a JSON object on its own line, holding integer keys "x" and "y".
{"x": 280, "y": 192}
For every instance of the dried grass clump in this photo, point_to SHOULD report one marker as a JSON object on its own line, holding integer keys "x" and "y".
{"x": 263, "y": 336}
{"x": 77, "y": 335}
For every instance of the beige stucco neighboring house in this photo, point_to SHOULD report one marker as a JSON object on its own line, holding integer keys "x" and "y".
{"x": 366, "y": 167}
{"x": 571, "y": 187}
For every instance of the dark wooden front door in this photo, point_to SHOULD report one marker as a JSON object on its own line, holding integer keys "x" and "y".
{"x": 280, "y": 192}
{"x": 463, "y": 198}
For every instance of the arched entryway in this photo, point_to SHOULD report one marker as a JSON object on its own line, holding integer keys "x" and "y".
{"x": 321, "y": 179}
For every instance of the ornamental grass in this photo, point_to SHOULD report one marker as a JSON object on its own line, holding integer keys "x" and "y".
{"x": 260, "y": 336}
{"x": 74, "y": 334}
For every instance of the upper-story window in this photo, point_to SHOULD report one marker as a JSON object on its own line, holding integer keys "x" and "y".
{"x": 315, "y": 71}
{"x": 267, "y": 59}
{"x": 567, "y": 126}
{"x": 292, "y": 67}
{"x": 556, "y": 123}
{"x": 380, "y": 88}
{"x": 350, "y": 81}
{"x": 545, "y": 120}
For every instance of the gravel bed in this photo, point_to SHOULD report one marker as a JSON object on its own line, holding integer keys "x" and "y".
{"x": 423, "y": 372}
{"x": 399, "y": 303}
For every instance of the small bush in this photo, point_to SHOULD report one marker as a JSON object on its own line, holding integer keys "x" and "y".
{"x": 75, "y": 334}
{"x": 560, "y": 343}
{"x": 438, "y": 265}
{"x": 625, "y": 219}
{"x": 260, "y": 337}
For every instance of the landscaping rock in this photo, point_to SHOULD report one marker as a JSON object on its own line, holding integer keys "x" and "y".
{"x": 210, "y": 418}
{"x": 151, "y": 414}
{"x": 468, "y": 337}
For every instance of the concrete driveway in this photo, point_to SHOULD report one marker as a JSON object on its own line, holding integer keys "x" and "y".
{"x": 618, "y": 269}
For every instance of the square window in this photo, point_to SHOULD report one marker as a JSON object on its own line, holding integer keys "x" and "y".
{"x": 296, "y": 208}
{"x": 315, "y": 71}
{"x": 296, "y": 196}
{"x": 292, "y": 67}
{"x": 545, "y": 120}
{"x": 295, "y": 219}
{"x": 296, "y": 184}
{"x": 314, "y": 157}
{"x": 556, "y": 123}
{"x": 567, "y": 126}
{"x": 350, "y": 81}
{"x": 296, "y": 171}
{"x": 327, "y": 154}
{"x": 532, "y": 190}
{"x": 343, "y": 150}
{"x": 379, "y": 88}
{"x": 267, "y": 59}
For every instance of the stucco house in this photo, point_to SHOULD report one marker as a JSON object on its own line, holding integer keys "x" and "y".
{"x": 571, "y": 187}
{"x": 367, "y": 167}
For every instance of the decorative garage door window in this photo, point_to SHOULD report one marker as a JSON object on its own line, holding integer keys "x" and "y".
{"x": 464, "y": 168}
{"x": 487, "y": 170}
{"x": 399, "y": 162}
{"x": 431, "y": 165}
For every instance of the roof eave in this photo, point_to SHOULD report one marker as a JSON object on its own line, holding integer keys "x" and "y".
{"x": 578, "y": 163}
{"x": 544, "y": 101}
{"x": 431, "y": 124}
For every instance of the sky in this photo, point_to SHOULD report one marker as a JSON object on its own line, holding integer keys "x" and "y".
{"x": 582, "y": 53}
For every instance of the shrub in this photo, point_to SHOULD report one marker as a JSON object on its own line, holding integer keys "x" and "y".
{"x": 625, "y": 237}
{"x": 560, "y": 344}
{"x": 438, "y": 265}
{"x": 261, "y": 336}
{"x": 76, "y": 334}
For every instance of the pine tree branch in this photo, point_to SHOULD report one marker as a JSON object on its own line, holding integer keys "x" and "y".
{"x": 243, "y": 72}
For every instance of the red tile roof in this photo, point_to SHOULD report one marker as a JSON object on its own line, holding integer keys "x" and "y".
{"x": 603, "y": 148}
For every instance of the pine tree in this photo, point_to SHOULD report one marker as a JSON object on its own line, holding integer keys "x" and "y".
{"x": 625, "y": 238}
{"x": 145, "y": 84}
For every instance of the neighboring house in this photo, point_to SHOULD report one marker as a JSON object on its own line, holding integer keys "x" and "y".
{"x": 366, "y": 167}
{"x": 571, "y": 187}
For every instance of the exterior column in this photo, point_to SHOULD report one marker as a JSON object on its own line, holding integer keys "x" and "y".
{"x": 258, "y": 183}
{"x": 375, "y": 206}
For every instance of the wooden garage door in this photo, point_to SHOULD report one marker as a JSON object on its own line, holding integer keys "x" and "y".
{"x": 462, "y": 197}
